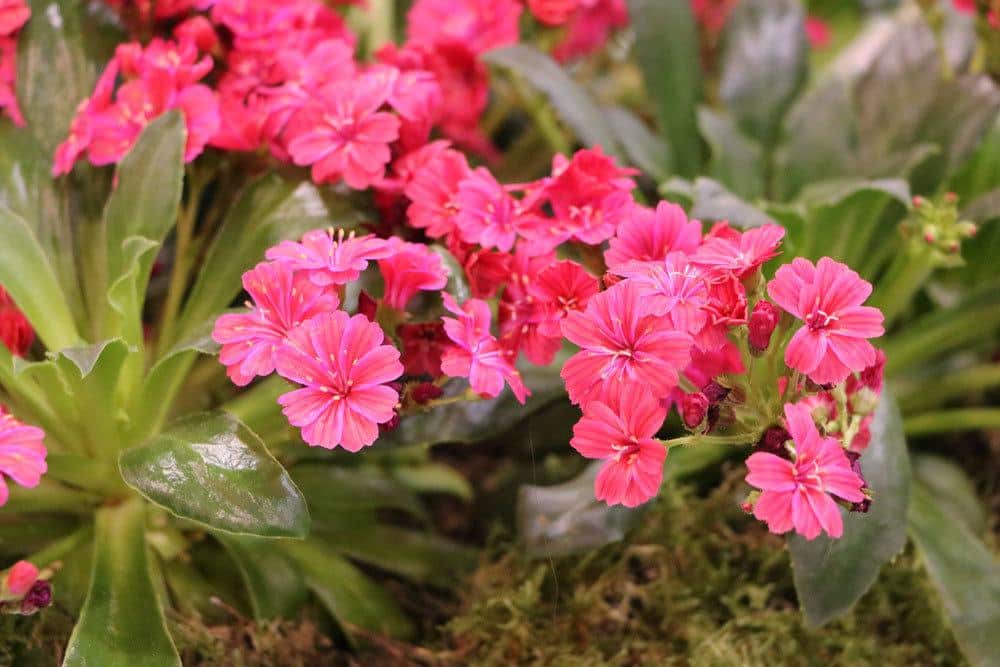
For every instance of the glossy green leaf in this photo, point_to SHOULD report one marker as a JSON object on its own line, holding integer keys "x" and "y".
{"x": 27, "y": 274}
{"x": 642, "y": 148}
{"x": 121, "y": 624}
{"x": 273, "y": 580}
{"x": 350, "y": 596}
{"x": 667, "y": 50}
{"x": 965, "y": 573}
{"x": 139, "y": 214}
{"x": 763, "y": 63}
{"x": 831, "y": 575}
{"x": 737, "y": 160}
{"x": 54, "y": 70}
{"x": 573, "y": 104}
{"x": 419, "y": 556}
{"x": 269, "y": 210}
{"x": 212, "y": 469}
{"x": 472, "y": 421}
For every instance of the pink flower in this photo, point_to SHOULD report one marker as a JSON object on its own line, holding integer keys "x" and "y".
{"x": 16, "y": 332}
{"x": 797, "y": 493}
{"x": 522, "y": 317}
{"x": 330, "y": 260}
{"x": 20, "y": 578}
{"x": 348, "y": 137}
{"x": 674, "y": 289}
{"x": 433, "y": 192}
{"x": 622, "y": 432}
{"x": 588, "y": 30}
{"x": 622, "y": 344}
{"x": 562, "y": 288}
{"x": 477, "y": 354}
{"x": 487, "y": 214}
{"x": 13, "y": 15}
{"x": 553, "y": 12}
{"x": 282, "y": 300}
{"x": 817, "y": 32}
{"x": 22, "y": 454}
{"x": 648, "y": 236}
{"x": 410, "y": 268}
{"x": 344, "y": 368}
{"x": 740, "y": 254}
{"x": 480, "y": 24}
{"x": 828, "y": 298}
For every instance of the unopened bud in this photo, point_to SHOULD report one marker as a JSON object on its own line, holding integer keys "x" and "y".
{"x": 773, "y": 441}
{"x": 367, "y": 306}
{"x": 20, "y": 579}
{"x": 967, "y": 229}
{"x": 39, "y": 597}
{"x": 930, "y": 236}
{"x": 425, "y": 392}
{"x": 763, "y": 320}
{"x": 950, "y": 197}
{"x": 918, "y": 201}
{"x": 694, "y": 407}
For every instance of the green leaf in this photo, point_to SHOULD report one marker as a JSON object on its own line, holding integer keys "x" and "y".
{"x": 566, "y": 518}
{"x": 433, "y": 478}
{"x": 273, "y": 580}
{"x": 573, "y": 104}
{"x": 710, "y": 200}
{"x": 121, "y": 624}
{"x": 212, "y": 469}
{"x": 667, "y": 50}
{"x": 763, "y": 63}
{"x": 420, "y": 556}
{"x": 139, "y": 214}
{"x": 56, "y": 67}
{"x": 473, "y": 421}
{"x": 27, "y": 274}
{"x": 737, "y": 160}
{"x": 333, "y": 491}
{"x": 457, "y": 285}
{"x": 269, "y": 210}
{"x": 831, "y": 575}
{"x": 965, "y": 573}
{"x": 349, "y": 596}
{"x": 953, "y": 491}
{"x": 642, "y": 147}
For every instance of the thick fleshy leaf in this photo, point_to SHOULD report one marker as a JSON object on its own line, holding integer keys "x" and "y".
{"x": 763, "y": 63}
{"x": 121, "y": 624}
{"x": 350, "y": 596}
{"x": 273, "y": 580}
{"x": 667, "y": 50}
{"x": 139, "y": 214}
{"x": 832, "y": 574}
{"x": 57, "y": 63}
{"x": 965, "y": 573}
{"x": 737, "y": 160}
{"x": 29, "y": 277}
{"x": 269, "y": 210}
{"x": 642, "y": 148}
{"x": 573, "y": 104}
{"x": 710, "y": 200}
{"x": 334, "y": 491}
{"x": 952, "y": 489}
{"x": 212, "y": 469}
{"x": 566, "y": 518}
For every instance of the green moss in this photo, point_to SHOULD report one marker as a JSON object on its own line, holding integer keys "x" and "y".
{"x": 699, "y": 583}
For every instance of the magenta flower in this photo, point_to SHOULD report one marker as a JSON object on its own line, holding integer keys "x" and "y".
{"x": 13, "y": 15}
{"x": 487, "y": 214}
{"x": 741, "y": 255}
{"x": 621, "y": 344}
{"x": 828, "y": 298}
{"x": 673, "y": 288}
{"x": 410, "y": 268}
{"x": 282, "y": 300}
{"x": 433, "y": 192}
{"x": 479, "y": 24}
{"x": 22, "y": 454}
{"x": 622, "y": 432}
{"x": 328, "y": 259}
{"x": 349, "y": 137}
{"x": 344, "y": 367}
{"x": 796, "y": 494}
{"x": 477, "y": 354}
{"x": 648, "y": 236}
{"x": 562, "y": 288}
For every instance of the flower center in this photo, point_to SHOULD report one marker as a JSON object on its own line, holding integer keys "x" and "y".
{"x": 820, "y": 319}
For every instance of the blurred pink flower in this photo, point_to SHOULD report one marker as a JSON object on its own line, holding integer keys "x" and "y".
{"x": 22, "y": 454}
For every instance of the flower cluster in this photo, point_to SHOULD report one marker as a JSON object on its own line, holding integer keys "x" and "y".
{"x": 13, "y": 15}
{"x": 25, "y": 589}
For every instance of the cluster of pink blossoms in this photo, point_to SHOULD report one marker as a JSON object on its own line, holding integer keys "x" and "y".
{"x": 13, "y": 15}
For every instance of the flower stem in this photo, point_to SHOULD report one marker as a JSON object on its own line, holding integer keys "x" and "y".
{"x": 687, "y": 440}
{"x": 182, "y": 262}
{"x": 904, "y": 278}
{"x": 964, "y": 419}
{"x": 544, "y": 119}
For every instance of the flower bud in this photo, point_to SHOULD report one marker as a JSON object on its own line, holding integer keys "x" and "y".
{"x": 39, "y": 597}
{"x": 773, "y": 441}
{"x": 693, "y": 409}
{"x": 367, "y": 306}
{"x": 715, "y": 392}
{"x": 763, "y": 321}
{"x": 20, "y": 579}
{"x": 425, "y": 392}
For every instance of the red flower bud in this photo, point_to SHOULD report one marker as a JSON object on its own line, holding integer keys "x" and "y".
{"x": 21, "y": 578}
{"x": 367, "y": 306}
{"x": 693, "y": 409}
{"x": 16, "y": 332}
{"x": 763, "y": 321}
{"x": 425, "y": 392}
{"x": 773, "y": 441}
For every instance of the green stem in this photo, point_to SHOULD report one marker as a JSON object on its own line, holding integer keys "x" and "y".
{"x": 259, "y": 403}
{"x": 182, "y": 264}
{"x": 904, "y": 278}
{"x": 964, "y": 419}
{"x": 62, "y": 548}
{"x": 738, "y": 439}
{"x": 544, "y": 119}
{"x": 922, "y": 394}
